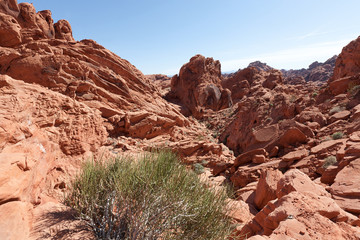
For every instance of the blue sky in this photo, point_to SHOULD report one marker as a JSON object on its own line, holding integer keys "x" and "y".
{"x": 159, "y": 36}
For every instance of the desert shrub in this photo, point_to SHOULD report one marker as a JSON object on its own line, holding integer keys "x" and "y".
{"x": 353, "y": 88}
{"x": 336, "y": 109}
{"x": 331, "y": 160}
{"x": 154, "y": 197}
{"x": 327, "y": 138}
{"x": 337, "y": 135}
{"x": 198, "y": 168}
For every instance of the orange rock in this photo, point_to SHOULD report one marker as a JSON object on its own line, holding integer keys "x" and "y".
{"x": 301, "y": 216}
{"x": 258, "y": 159}
{"x": 248, "y": 156}
{"x": 295, "y": 155}
{"x": 346, "y": 188}
{"x": 292, "y": 136}
{"x": 295, "y": 180}
{"x": 273, "y": 79}
{"x": 15, "y": 222}
{"x": 340, "y": 116}
{"x": 355, "y": 136}
{"x": 63, "y": 30}
{"x": 198, "y": 86}
{"x": 240, "y": 211}
{"x": 327, "y": 146}
{"x": 266, "y": 187}
{"x": 347, "y": 62}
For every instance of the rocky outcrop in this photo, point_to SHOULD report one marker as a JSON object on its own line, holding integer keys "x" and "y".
{"x": 64, "y": 101}
{"x": 316, "y": 72}
{"x": 198, "y": 87}
{"x": 260, "y": 66}
{"x": 22, "y": 24}
{"x": 346, "y": 72}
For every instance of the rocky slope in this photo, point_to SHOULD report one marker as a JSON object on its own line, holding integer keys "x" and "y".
{"x": 290, "y": 151}
{"x": 62, "y": 102}
{"x": 316, "y": 72}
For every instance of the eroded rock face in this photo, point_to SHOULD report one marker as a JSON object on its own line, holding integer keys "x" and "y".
{"x": 63, "y": 30}
{"x": 346, "y": 188}
{"x": 9, "y": 31}
{"x": 20, "y": 23}
{"x": 316, "y": 72}
{"x": 198, "y": 86}
{"x": 346, "y": 71}
{"x": 347, "y": 63}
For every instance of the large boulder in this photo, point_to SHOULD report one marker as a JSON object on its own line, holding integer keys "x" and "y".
{"x": 346, "y": 188}
{"x": 346, "y": 71}
{"x": 20, "y": 23}
{"x": 266, "y": 187}
{"x": 198, "y": 86}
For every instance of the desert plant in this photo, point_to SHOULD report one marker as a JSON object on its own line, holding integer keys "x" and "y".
{"x": 198, "y": 168}
{"x": 337, "y": 135}
{"x": 353, "y": 88}
{"x": 293, "y": 98}
{"x": 336, "y": 109}
{"x": 154, "y": 197}
{"x": 331, "y": 160}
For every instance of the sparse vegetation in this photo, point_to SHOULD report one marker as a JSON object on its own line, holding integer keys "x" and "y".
{"x": 337, "y": 135}
{"x": 198, "y": 168}
{"x": 200, "y": 138}
{"x": 314, "y": 94}
{"x": 327, "y": 138}
{"x": 293, "y": 98}
{"x": 329, "y": 161}
{"x": 153, "y": 198}
{"x": 336, "y": 109}
{"x": 353, "y": 88}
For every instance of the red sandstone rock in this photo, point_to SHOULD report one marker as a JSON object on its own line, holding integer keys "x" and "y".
{"x": 339, "y": 116}
{"x": 295, "y": 180}
{"x": 240, "y": 211}
{"x": 273, "y": 79}
{"x": 249, "y": 156}
{"x": 346, "y": 188}
{"x": 296, "y": 155}
{"x": 300, "y": 216}
{"x": 313, "y": 115}
{"x": 198, "y": 86}
{"x": 63, "y": 30}
{"x": 16, "y": 220}
{"x": 316, "y": 72}
{"x": 347, "y": 62}
{"x": 327, "y": 146}
{"x": 266, "y": 187}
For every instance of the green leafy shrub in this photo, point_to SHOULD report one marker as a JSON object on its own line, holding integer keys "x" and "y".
{"x": 337, "y": 135}
{"x": 331, "y": 160}
{"x": 154, "y": 197}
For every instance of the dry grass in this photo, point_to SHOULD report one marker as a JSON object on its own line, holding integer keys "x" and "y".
{"x": 152, "y": 198}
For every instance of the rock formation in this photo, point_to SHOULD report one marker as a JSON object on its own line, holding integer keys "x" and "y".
{"x": 316, "y": 72}
{"x": 291, "y": 152}
{"x": 346, "y": 71}
{"x": 198, "y": 86}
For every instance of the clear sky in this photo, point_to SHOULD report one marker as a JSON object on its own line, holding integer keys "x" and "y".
{"x": 159, "y": 36}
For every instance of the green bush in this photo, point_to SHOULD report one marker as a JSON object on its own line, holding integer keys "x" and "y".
{"x": 154, "y": 197}
{"x": 331, "y": 160}
{"x": 337, "y": 135}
